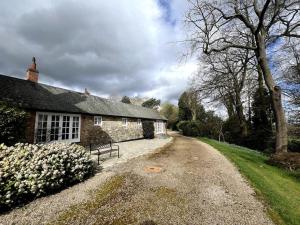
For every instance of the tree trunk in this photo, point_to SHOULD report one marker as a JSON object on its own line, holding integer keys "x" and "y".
{"x": 229, "y": 106}
{"x": 194, "y": 114}
{"x": 275, "y": 91}
{"x": 240, "y": 114}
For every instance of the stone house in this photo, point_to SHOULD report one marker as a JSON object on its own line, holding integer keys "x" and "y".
{"x": 60, "y": 114}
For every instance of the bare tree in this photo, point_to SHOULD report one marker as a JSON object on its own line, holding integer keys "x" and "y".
{"x": 225, "y": 80}
{"x": 291, "y": 73}
{"x": 251, "y": 25}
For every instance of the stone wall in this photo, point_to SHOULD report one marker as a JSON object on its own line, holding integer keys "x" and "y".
{"x": 111, "y": 129}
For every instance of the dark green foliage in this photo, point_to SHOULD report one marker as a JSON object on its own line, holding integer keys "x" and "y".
{"x": 148, "y": 129}
{"x": 189, "y": 128}
{"x": 194, "y": 120}
{"x": 174, "y": 126}
{"x": 201, "y": 114}
{"x": 294, "y": 145}
{"x": 232, "y": 131}
{"x": 151, "y": 103}
{"x": 184, "y": 111}
{"x": 210, "y": 125}
{"x": 126, "y": 100}
{"x": 261, "y": 137}
{"x": 12, "y": 124}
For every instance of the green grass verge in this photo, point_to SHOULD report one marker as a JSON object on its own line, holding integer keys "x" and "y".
{"x": 279, "y": 189}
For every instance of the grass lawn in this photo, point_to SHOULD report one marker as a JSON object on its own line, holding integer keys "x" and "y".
{"x": 279, "y": 189}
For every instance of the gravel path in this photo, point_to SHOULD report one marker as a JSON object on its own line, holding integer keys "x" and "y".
{"x": 43, "y": 210}
{"x": 130, "y": 150}
{"x": 196, "y": 185}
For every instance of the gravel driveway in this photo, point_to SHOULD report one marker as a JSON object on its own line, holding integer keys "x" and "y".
{"x": 130, "y": 150}
{"x": 191, "y": 183}
{"x": 42, "y": 210}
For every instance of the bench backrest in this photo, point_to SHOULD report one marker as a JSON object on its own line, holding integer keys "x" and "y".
{"x": 104, "y": 145}
{"x": 100, "y": 146}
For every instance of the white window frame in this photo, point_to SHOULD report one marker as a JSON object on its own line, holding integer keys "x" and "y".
{"x": 124, "y": 122}
{"x": 139, "y": 122}
{"x": 97, "y": 119}
{"x": 159, "y": 127}
{"x": 61, "y": 115}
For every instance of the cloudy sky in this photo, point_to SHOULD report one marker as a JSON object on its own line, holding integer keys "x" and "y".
{"x": 113, "y": 48}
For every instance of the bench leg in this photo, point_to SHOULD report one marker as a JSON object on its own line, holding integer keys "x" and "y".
{"x": 110, "y": 154}
{"x": 118, "y": 154}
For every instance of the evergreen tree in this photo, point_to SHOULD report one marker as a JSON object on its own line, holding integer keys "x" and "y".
{"x": 151, "y": 103}
{"x": 184, "y": 111}
{"x": 126, "y": 100}
{"x": 261, "y": 119}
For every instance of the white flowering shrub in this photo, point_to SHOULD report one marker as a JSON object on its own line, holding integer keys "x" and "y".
{"x": 28, "y": 171}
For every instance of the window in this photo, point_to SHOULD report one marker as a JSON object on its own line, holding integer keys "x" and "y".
{"x": 159, "y": 127}
{"x": 42, "y": 128}
{"x": 97, "y": 120}
{"x": 75, "y": 127}
{"x": 53, "y": 127}
{"x": 139, "y": 122}
{"x": 54, "y": 131}
{"x": 124, "y": 122}
{"x": 65, "y": 128}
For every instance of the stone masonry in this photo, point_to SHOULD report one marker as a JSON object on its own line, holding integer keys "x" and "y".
{"x": 111, "y": 129}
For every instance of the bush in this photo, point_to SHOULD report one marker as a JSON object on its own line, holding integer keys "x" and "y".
{"x": 189, "y": 128}
{"x": 28, "y": 171}
{"x": 148, "y": 129}
{"x": 294, "y": 145}
{"x": 12, "y": 124}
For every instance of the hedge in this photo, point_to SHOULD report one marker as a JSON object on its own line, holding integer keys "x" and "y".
{"x": 12, "y": 124}
{"x": 28, "y": 171}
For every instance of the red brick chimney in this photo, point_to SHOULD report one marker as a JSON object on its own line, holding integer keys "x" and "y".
{"x": 32, "y": 73}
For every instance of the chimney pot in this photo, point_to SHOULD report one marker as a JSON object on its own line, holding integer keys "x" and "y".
{"x": 86, "y": 91}
{"x": 32, "y": 73}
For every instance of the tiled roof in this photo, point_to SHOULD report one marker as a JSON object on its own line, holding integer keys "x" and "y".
{"x": 42, "y": 97}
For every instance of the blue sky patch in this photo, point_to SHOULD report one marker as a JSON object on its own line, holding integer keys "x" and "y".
{"x": 166, "y": 6}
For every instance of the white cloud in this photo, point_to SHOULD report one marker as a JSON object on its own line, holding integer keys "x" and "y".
{"x": 117, "y": 47}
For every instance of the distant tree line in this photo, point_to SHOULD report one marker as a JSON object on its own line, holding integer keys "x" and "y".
{"x": 194, "y": 120}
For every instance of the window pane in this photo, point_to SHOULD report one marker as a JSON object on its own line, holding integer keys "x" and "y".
{"x": 75, "y": 128}
{"x": 42, "y": 128}
{"x": 97, "y": 120}
{"x": 65, "y": 128}
{"x": 54, "y": 130}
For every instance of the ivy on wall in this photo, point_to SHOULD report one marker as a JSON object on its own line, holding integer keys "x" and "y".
{"x": 12, "y": 124}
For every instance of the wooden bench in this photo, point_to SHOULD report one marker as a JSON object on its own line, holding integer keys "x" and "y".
{"x": 104, "y": 149}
